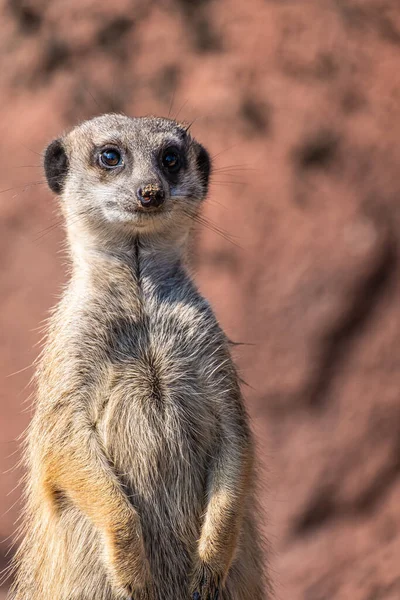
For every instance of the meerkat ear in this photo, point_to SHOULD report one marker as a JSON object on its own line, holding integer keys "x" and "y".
{"x": 56, "y": 166}
{"x": 203, "y": 163}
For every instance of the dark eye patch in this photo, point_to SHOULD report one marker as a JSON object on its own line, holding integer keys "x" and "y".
{"x": 171, "y": 160}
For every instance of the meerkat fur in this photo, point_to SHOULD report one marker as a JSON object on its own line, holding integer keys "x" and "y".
{"x": 140, "y": 459}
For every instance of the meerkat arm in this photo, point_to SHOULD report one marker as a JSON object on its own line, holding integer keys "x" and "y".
{"x": 229, "y": 478}
{"x": 80, "y": 471}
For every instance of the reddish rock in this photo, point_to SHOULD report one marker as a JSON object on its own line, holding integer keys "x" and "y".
{"x": 299, "y": 104}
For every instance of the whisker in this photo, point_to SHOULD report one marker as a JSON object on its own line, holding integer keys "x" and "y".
{"x": 24, "y": 167}
{"x": 113, "y": 99}
{"x": 60, "y": 221}
{"x": 92, "y": 97}
{"x": 172, "y": 101}
{"x": 232, "y": 177}
{"x": 25, "y": 185}
{"x": 191, "y": 123}
{"x": 234, "y": 167}
{"x": 216, "y": 202}
{"x": 213, "y": 182}
{"x": 214, "y": 156}
{"x": 181, "y": 108}
{"x": 30, "y": 150}
{"x": 230, "y": 174}
{"x": 219, "y": 232}
{"x": 203, "y": 221}
{"x": 48, "y": 230}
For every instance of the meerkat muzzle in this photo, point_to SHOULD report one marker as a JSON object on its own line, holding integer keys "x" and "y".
{"x": 151, "y": 196}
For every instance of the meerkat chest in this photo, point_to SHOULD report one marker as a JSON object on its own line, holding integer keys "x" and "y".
{"x": 159, "y": 408}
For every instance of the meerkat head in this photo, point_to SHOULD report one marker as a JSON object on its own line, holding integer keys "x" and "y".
{"x": 131, "y": 176}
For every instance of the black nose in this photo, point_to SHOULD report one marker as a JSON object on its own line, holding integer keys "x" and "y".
{"x": 151, "y": 196}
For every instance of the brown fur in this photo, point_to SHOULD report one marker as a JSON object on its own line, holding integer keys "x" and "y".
{"x": 140, "y": 457}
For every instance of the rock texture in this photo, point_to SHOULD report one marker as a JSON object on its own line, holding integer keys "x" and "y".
{"x": 299, "y": 103}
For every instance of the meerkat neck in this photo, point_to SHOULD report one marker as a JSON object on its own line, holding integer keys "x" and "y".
{"x": 149, "y": 260}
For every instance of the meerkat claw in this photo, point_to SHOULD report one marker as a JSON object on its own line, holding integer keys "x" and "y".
{"x": 209, "y": 586}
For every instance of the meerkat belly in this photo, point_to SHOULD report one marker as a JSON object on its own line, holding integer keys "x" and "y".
{"x": 158, "y": 428}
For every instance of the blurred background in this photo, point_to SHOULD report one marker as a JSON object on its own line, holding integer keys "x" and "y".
{"x": 298, "y": 103}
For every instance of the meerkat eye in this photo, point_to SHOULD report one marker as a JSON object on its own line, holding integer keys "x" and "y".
{"x": 110, "y": 158}
{"x": 171, "y": 160}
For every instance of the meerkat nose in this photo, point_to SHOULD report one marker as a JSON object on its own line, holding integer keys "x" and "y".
{"x": 151, "y": 196}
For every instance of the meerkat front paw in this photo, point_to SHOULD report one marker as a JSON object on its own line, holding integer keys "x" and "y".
{"x": 127, "y": 563}
{"x": 129, "y": 581}
{"x": 206, "y": 584}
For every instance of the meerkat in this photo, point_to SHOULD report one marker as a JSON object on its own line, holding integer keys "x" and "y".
{"x": 140, "y": 458}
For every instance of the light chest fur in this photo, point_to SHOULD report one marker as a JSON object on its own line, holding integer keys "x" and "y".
{"x": 134, "y": 349}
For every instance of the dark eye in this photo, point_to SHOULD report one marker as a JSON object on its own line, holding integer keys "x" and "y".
{"x": 110, "y": 158}
{"x": 171, "y": 161}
